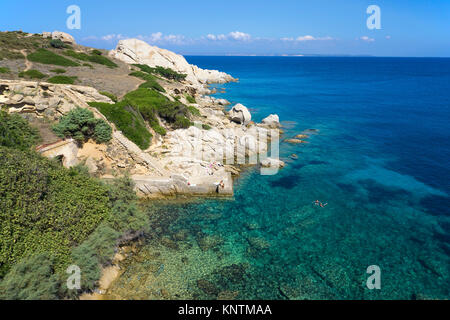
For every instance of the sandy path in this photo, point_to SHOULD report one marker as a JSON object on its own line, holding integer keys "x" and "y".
{"x": 28, "y": 64}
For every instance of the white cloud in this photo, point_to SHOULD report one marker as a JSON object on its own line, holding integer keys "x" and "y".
{"x": 307, "y": 38}
{"x": 235, "y": 35}
{"x": 367, "y": 39}
{"x": 241, "y": 36}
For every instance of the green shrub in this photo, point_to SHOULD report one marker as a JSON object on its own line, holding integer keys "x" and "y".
{"x": 194, "y": 111}
{"x": 62, "y": 80}
{"x": 57, "y": 43}
{"x": 31, "y": 279}
{"x": 150, "y": 81}
{"x": 95, "y": 58}
{"x": 126, "y": 217}
{"x": 4, "y": 70}
{"x": 10, "y": 55}
{"x": 81, "y": 125}
{"x": 47, "y": 57}
{"x": 182, "y": 122}
{"x": 15, "y": 132}
{"x": 32, "y": 74}
{"x": 164, "y": 72}
{"x": 45, "y": 208}
{"x": 206, "y": 127}
{"x": 88, "y": 65}
{"x": 109, "y": 95}
{"x": 58, "y": 71}
{"x": 96, "y": 52}
{"x": 126, "y": 120}
{"x": 190, "y": 99}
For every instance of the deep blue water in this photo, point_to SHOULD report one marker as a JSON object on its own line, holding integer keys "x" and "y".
{"x": 380, "y": 160}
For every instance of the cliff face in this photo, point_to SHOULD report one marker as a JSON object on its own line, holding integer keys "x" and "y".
{"x": 137, "y": 51}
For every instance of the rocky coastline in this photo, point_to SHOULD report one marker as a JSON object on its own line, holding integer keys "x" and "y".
{"x": 199, "y": 161}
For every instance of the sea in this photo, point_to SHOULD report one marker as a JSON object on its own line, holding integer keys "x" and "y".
{"x": 377, "y": 158}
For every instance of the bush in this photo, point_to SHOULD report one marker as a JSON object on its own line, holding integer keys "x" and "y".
{"x": 81, "y": 125}
{"x": 16, "y": 133}
{"x": 58, "y": 71}
{"x": 96, "y": 52}
{"x": 126, "y": 120}
{"x": 190, "y": 99}
{"x": 57, "y": 43}
{"x": 95, "y": 58}
{"x": 150, "y": 81}
{"x": 4, "y": 70}
{"x": 62, "y": 80}
{"x": 206, "y": 127}
{"x": 194, "y": 111}
{"x": 31, "y": 279}
{"x": 47, "y": 57}
{"x": 164, "y": 72}
{"x": 32, "y": 74}
{"x": 182, "y": 122}
{"x": 125, "y": 216}
{"x": 109, "y": 95}
{"x": 45, "y": 208}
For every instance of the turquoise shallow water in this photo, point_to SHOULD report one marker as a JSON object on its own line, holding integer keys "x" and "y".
{"x": 380, "y": 159}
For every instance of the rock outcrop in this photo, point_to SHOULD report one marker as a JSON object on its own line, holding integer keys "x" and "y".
{"x": 137, "y": 51}
{"x": 59, "y": 35}
{"x": 272, "y": 121}
{"x": 240, "y": 114}
{"x": 272, "y": 163}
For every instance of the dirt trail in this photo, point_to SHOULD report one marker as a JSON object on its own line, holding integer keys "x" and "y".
{"x": 28, "y": 64}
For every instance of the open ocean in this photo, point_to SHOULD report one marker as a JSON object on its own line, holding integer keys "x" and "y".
{"x": 380, "y": 159}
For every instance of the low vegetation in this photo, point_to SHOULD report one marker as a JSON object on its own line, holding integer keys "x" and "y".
{"x": 4, "y": 70}
{"x": 81, "y": 125}
{"x": 62, "y": 80}
{"x": 194, "y": 111}
{"x": 52, "y": 217}
{"x": 16, "y": 133}
{"x": 48, "y": 57}
{"x": 190, "y": 98}
{"x": 127, "y": 120}
{"x": 32, "y": 74}
{"x": 58, "y": 44}
{"x": 93, "y": 57}
{"x": 113, "y": 97}
{"x": 58, "y": 70}
{"x": 150, "y": 81}
{"x": 161, "y": 71}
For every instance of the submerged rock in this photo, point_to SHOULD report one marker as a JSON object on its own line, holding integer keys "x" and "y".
{"x": 272, "y": 163}
{"x": 207, "y": 287}
{"x": 227, "y": 295}
{"x": 208, "y": 242}
{"x": 295, "y": 141}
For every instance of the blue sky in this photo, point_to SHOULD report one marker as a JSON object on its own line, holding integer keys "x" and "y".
{"x": 408, "y": 28}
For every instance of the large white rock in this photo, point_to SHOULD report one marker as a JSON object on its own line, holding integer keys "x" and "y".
{"x": 272, "y": 121}
{"x": 137, "y": 51}
{"x": 240, "y": 114}
{"x": 64, "y": 37}
{"x": 272, "y": 163}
